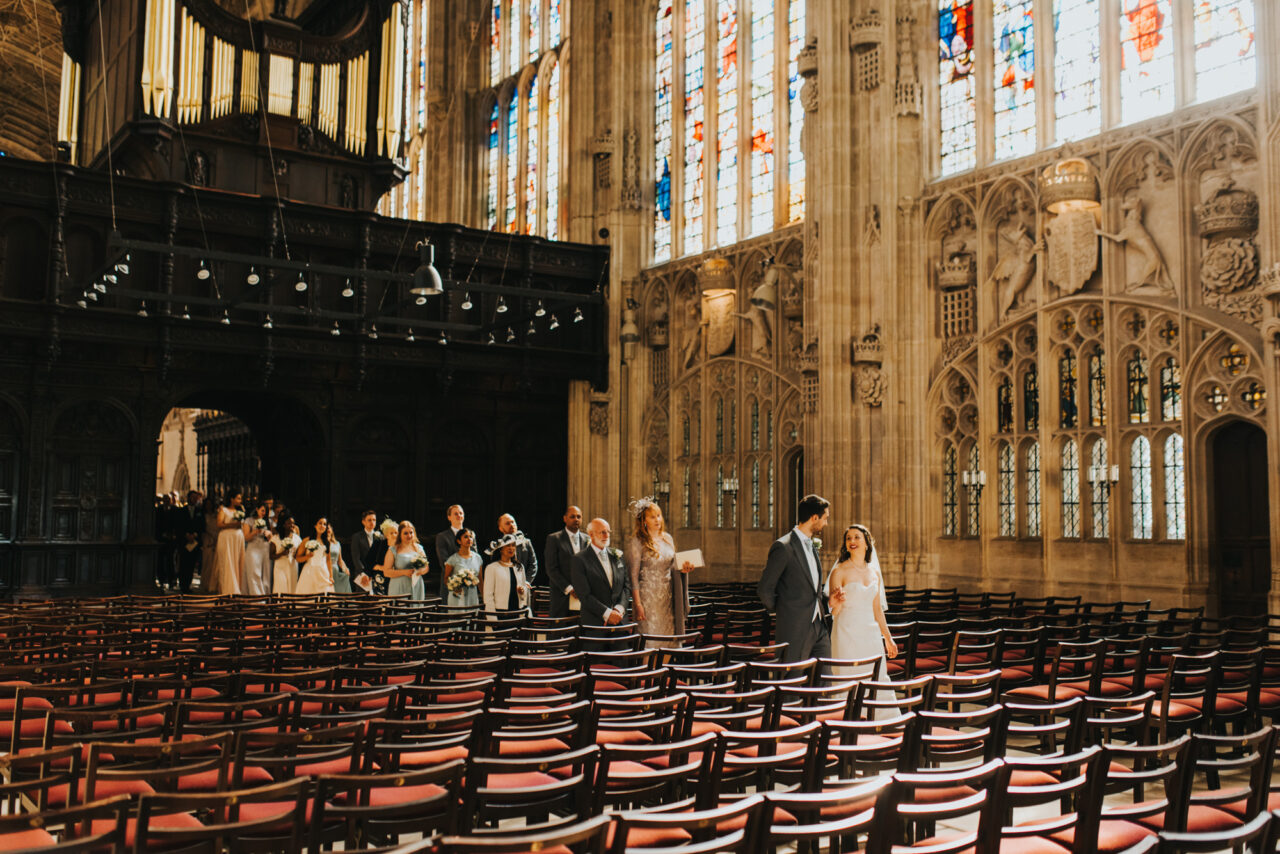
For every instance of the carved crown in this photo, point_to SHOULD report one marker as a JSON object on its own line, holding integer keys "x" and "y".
{"x": 1229, "y": 209}
{"x": 1068, "y": 185}
{"x": 867, "y": 30}
{"x": 807, "y": 59}
{"x": 868, "y": 349}
{"x": 958, "y": 271}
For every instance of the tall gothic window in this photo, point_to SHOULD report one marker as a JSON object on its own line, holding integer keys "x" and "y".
{"x": 1097, "y": 388}
{"x": 1004, "y": 406}
{"x": 1099, "y": 494}
{"x": 755, "y": 425}
{"x": 973, "y": 516}
{"x": 1008, "y": 491}
{"x": 733, "y": 138}
{"x": 1067, "y": 387}
{"x": 950, "y": 504}
{"x": 1071, "y": 489}
{"x": 719, "y": 425}
{"x": 687, "y": 503}
{"x": 1175, "y": 502}
{"x": 755, "y": 493}
{"x": 769, "y": 515}
{"x": 719, "y": 496}
{"x": 1139, "y": 388}
{"x": 1032, "y": 489}
{"x": 522, "y": 180}
{"x": 1140, "y": 481}
{"x": 1148, "y": 57}
{"x": 1171, "y": 390}
{"x": 1031, "y": 400}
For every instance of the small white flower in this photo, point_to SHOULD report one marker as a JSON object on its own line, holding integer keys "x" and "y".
{"x": 817, "y": 543}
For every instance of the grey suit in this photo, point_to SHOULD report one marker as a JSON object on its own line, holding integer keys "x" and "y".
{"x": 594, "y": 589}
{"x": 787, "y": 587}
{"x": 446, "y": 545}
{"x": 557, "y": 557}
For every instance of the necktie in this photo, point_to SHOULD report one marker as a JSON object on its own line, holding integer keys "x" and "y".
{"x": 577, "y": 543}
{"x": 608, "y": 569}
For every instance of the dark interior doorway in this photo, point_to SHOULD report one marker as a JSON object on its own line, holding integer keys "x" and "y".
{"x": 795, "y": 490}
{"x": 1240, "y": 553}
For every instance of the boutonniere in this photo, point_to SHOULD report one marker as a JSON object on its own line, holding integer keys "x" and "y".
{"x": 817, "y": 543}
{"x": 616, "y": 554}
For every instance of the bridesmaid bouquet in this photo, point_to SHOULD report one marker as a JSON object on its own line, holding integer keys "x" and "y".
{"x": 418, "y": 564}
{"x": 259, "y": 523}
{"x": 313, "y": 546}
{"x": 462, "y": 578}
{"x": 239, "y": 515}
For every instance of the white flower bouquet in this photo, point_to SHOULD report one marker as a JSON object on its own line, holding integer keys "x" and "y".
{"x": 239, "y": 515}
{"x": 460, "y": 579}
{"x": 418, "y": 564}
{"x": 259, "y": 523}
{"x": 313, "y": 546}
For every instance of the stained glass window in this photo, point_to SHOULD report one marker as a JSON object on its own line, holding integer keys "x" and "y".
{"x": 795, "y": 154}
{"x": 495, "y": 163}
{"x": 495, "y": 44}
{"x": 1004, "y": 406}
{"x": 531, "y": 159}
{"x": 973, "y": 520}
{"x": 422, "y": 65}
{"x": 1033, "y": 489}
{"x": 697, "y": 497}
{"x": 553, "y": 23}
{"x": 1175, "y": 500}
{"x": 662, "y": 137}
{"x": 534, "y": 19}
{"x": 733, "y": 425}
{"x": 515, "y": 56}
{"x": 1140, "y": 480}
{"x": 684, "y": 435}
{"x": 513, "y": 159}
{"x": 768, "y": 429}
{"x": 958, "y": 116}
{"x": 949, "y": 502}
{"x": 1077, "y": 68}
{"x": 1139, "y": 387}
{"x": 1067, "y": 383}
{"x": 694, "y": 127}
{"x": 719, "y": 496}
{"x": 422, "y": 184}
{"x": 553, "y": 154}
{"x": 1031, "y": 399}
{"x": 719, "y": 425}
{"x": 1171, "y": 390}
{"x": 1099, "y": 491}
{"x": 755, "y": 425}
{"x": 762, "y": 108}
{"x": 726, "y": 121}
{"x": 770, "y": 504}
{"x": 755, "y": 493}
{"x": 1097, "y": 388}
{"x": 1015, "y": 66}
{"x": 1008, "y": 492}
{"x": 1146, "y": 59}
{"x": 686, "y": 504}
{"x": 1226, "y": 55}
{"x": 1070, "y": 489}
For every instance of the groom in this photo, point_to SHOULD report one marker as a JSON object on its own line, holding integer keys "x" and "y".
{"x": 792, "y": 585}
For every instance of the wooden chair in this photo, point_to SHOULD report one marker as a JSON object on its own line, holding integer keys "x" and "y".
{"x": 364, "y": 809}
{"x": 501, "y": 788}
{"x": 1064, "y": 780}
{"x": 262, "y": 819}
{"x": 584, "y": 837}
{"x": 1250, "y": 834}
{"x": 735, "y": 828}
{"x": 85, "y": 828}
{"x": 839, "y": 815}
{"x": 914, "y": 803}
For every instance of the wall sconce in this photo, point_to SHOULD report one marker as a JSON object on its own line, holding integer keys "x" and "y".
{"x": 1103, "y": 475}
{"x": 730, "y": 486}
{"x": 973, "y": 481}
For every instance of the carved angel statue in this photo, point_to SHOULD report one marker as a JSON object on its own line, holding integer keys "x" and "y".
{"x": 693, "y": 335}
{"x": 764, "y": 300}
{"x": 1016, "y": 267}
{"x": 1134, "y": 235}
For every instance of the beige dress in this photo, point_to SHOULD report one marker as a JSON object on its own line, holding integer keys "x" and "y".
{"x": 228, "y": 558}
{"x": 659, "y": 587}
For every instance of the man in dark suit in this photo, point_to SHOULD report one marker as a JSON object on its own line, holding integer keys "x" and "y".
{"x": 362, "y": 541}
{"x": 557, "y": 557}
{"x": 600, "y": 579}
{"x": 190, "y": 525}
{"x": 447, "y": 542}
{"x": 526, "y": 554}
{"x": 792, "y": 585}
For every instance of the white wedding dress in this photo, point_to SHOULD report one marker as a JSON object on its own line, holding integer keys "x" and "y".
{"x": 856, "y": 634}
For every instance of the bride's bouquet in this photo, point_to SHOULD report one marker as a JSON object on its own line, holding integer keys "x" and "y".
{"x": 460, "y": 579}
{"x": 313, "y": 546}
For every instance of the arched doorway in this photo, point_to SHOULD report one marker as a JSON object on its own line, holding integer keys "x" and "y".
{"x": 1240, "y": 551}
{"x": 794, "y": 467}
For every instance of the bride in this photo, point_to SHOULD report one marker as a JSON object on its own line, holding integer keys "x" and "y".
{"x": 859, "y": 628}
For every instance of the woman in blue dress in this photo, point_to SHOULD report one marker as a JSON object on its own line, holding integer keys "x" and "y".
{"x": 463, "y": 595}
{"x": 404, "y": 563}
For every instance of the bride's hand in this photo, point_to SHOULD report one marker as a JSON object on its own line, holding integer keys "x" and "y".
{"x": 836, "y": 604}
{"x": 891, "y": 648}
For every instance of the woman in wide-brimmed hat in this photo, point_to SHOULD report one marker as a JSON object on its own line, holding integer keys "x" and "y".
{"x": 505, "y": 587}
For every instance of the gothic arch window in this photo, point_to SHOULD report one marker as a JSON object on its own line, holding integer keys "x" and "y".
{"x": 1099, "y": 494}
{"x": 684, "y": 436}
{"x": 719, "y": 425}
{"x": 1068, "y": 390}
{"x": 728, "y": 146}
{"x": 719, "y": 496}
{"x": 973, "y": 508}
{"x": 686, "y": 503}
{"x": 522, "y": 167}
{"x": 1107, "y": 63}
{"x": 1031, "y": 488}
{"x": 1004, "y": 406}
{"x": 1140, "y": 488}
{"x": 1138, "y": 384}
{"x": 1171, "y": 390}
{"x": 1070, "y": 489}
{"x": 1007, "y": 494}
{"x": 950, "y": 500}
{"x": 1097, "y": 388}
{"x": 755, "y": 493}
{"x": 1031, "y": 399}
{"x": 408, "y": 200}
{"x": 1175, "y": 499}
{"x": 755, "y": 424}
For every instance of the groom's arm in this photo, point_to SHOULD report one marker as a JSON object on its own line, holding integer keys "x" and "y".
{"x": 767, "y": 589}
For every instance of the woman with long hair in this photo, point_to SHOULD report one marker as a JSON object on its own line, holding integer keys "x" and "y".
{"x": 313, "y": 554}
{"x": 859, "y": 629}
{"x": 463, "y": 595}
{"x": 405, "y": 563}
{"x": 284, "y": 575}
{"x": 660, "y": 589}
{"x": 228, "y": 558}
{"x": 257, "y": 570}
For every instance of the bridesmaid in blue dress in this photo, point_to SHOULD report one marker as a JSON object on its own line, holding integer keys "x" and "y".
{"x": 398, "y": 566}
{"x": 467, "y": 596}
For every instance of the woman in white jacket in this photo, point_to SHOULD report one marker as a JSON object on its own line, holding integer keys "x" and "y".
{"x": 505, "y": 587}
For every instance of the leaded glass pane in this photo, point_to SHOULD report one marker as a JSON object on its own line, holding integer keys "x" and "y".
{"x": 687, "y": 503}
{"x": 516, "y": 58}
{"x": 694, "y": 127}
{"x": 1139, "y": 383}
{"x": 1077, "y": 68}
{"x": 1070, "y": 489}
{"x": 1004, "y": 406}
{"x": 495, "y": 44}
{"x": 1067, "y": 382}
{"x": 1140, "y": 478}
{"x": 1175, "y": 499}
{"x": 973, "y": 520}
{"x": 1031, "y": 399}
{"x": 662, "y": 136}
{"x": 513, "y": 159}
{"x": 726, "y": 122}
{"x": 719, "y": 426}
{"x": 719, "y": 496}
{"x": 534, "y": 33}
{"x": 958, "y": 116}
{"x": 1171, "y": 390}
{"x": 1099, "y": 492}
{"x": 733, "y": 425}
{"x": 1015, "y": 65}
{"x": 531, "y": 158}
{"x": 950, "y": 503}
{"x": 1097, "y": 388}
{"x": 1146, "y": 59}
{"x": 755, "y": 425}
{"x": 755, "y": 493}
{"x": 685, "y": 436}
{"x": 770, "y": 513}
{"x": 1226, "y": 54}
{"x": 1032, "y": 487}
{"x": 795, "y": 120}
{"x": 1008, "y": 492}
{"x": 422, "y": 67}
{"x": 495, "y": 162}
{"x": 553, "y": 24}
{"x": 553, "y": 154}
{"x": 762, "y": 109}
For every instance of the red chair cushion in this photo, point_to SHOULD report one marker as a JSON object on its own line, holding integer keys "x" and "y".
{"x": 532, "y": 747}
{"x": 27, "y": 839}
{"x": 1113, "y": 835}
{"x": 177, "y": 821}
{"x": 1200, "y": 819}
